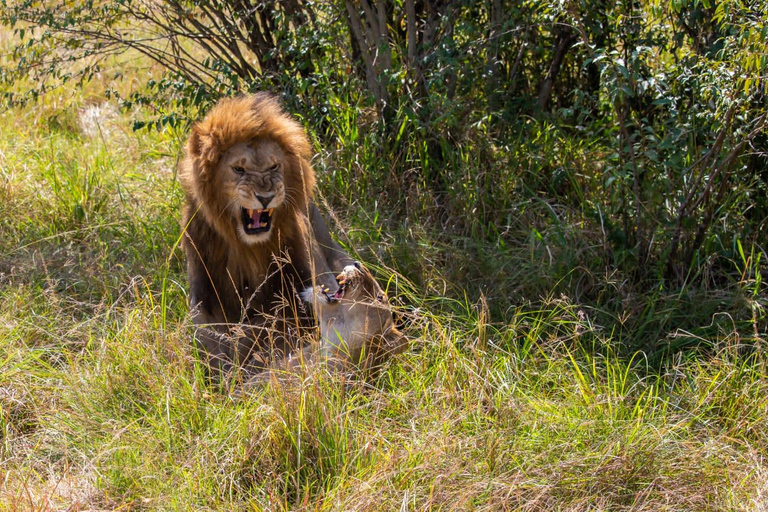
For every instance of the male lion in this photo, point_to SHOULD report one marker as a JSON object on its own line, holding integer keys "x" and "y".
{"x": 252, "y": 235}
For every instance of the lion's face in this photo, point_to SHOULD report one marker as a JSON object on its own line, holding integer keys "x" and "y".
{"x": 359, "y": 302}
{"x": 251, "y": 177}
{"x": 356, "y": 284}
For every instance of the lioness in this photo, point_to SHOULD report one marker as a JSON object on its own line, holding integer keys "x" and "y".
{"x": 356, "y": 327}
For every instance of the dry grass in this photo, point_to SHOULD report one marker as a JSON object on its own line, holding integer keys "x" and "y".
{"x": 103, "y": 405}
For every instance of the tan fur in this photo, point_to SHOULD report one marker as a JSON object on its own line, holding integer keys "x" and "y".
{"x": 242, "y": 287}
{"x": 359, "y": 327}
{"x": 238, "y": 120}
{"x": 357, "y": 331}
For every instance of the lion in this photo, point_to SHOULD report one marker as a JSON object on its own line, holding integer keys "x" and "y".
{"x": 356, "y": 321}
{"x": 252, "y": 235}
{"x": 356, "y": 328}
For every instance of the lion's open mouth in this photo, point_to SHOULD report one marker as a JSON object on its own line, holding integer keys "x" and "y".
{"x": 256, "y": 221}
{"x": 343, "y": 283}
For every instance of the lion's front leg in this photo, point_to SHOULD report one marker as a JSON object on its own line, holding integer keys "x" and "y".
{"x": 223, "y": 345}
{"x": 294, "y": 365}
{"x": 214, "y": 344}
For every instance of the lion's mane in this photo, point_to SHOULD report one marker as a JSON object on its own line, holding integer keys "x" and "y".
{"x": 241, "y": 119}
{"x": 228, "y": 278}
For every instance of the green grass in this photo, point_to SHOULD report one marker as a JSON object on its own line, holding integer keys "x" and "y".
{"x": 513, "y": 400}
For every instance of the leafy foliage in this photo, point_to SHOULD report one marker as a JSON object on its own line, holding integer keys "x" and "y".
{"x": 639, "y": 126}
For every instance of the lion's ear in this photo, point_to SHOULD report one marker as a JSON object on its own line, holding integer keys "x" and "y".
{"x": 204, "y": 145}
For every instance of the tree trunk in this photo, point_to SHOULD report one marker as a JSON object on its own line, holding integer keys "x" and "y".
{"x": 565, "y": 40}
{"x": 373, "y": 42}
{"x": 492, "y": 54}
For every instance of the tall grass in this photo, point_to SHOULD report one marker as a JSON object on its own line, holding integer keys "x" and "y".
{"x": 522, "y": 397}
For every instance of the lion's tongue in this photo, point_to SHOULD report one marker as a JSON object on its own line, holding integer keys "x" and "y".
{"x": 259, "y": 218}
{"x": 342, "y": 285}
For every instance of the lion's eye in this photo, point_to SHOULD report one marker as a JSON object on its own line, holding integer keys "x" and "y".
{"x": 238, "y": 170}
{"x": 274, "y": 168}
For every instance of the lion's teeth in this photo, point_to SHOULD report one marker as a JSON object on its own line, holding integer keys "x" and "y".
{"x": 250, "y": 225}
{"x": 250, "y": 212}
{"x": 269, "y": 211}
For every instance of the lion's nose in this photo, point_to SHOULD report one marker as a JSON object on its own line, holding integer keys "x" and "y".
{"x": 265, "y": 200}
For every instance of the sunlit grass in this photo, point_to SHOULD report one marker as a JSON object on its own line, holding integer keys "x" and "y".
{"x": 537, "y": 406}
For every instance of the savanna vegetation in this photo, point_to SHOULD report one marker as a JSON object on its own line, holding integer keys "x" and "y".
{"x": 567, "y": 201}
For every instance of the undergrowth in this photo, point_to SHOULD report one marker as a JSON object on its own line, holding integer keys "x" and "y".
{"x": 534, "y": 380}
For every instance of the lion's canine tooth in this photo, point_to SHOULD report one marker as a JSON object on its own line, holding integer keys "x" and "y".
{"x": 250, "y": 225}
{"x": 250, "y": 212}
{"x": 269, "y": 211}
